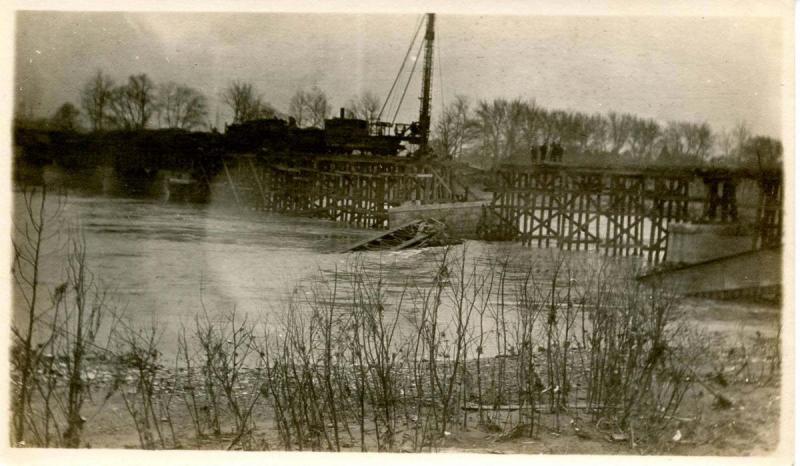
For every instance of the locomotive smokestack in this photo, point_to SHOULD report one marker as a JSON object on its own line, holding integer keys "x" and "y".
{"x": 341, "y": 113}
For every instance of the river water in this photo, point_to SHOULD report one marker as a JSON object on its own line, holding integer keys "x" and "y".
{"x": 164, "y": 263}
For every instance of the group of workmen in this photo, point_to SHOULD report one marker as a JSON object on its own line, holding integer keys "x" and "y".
{"x": 547, "y": 152}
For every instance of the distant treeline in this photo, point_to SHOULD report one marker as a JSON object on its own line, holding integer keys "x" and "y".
{"x": 504, "y": 130}
{"x": 141, "y": 104}
{"x": 484, "y": 133}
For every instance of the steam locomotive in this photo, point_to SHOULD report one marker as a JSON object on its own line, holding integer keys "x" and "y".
{"x": 340, "y": 135}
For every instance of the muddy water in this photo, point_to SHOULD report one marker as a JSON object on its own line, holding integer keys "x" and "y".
{"x": 164, "y": 263}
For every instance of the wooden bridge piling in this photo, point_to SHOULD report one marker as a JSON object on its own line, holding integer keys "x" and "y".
{"x": 350, "y": 190}
{"x": 622, "y": 212}
{"x": 613, "y": 211}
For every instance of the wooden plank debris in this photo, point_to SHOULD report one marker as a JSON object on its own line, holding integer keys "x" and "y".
{"x": 417, "y": 233}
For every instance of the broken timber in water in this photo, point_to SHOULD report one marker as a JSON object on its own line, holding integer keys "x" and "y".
{"x": 417, "y": 233}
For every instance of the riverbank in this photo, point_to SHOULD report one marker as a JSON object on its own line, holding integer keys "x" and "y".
{"x": 749, "y": 427}
{"x": 399, "y": 399}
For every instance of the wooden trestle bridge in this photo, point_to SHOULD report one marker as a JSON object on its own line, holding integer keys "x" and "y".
{"x": 613, "y": 211}
{"x": 352, "y": 190}
{"x": 626, "y": 212}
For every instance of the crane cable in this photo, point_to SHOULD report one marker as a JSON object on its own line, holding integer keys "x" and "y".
{"x": 402, "y": 65}
{"x": 410, "y": 75}
{"x": 395, "y": 100}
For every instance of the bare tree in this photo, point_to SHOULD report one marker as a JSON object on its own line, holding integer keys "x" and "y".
{"x": 83, "y": 308}
{"x": 96, "y": 98}
{"x": 297, "y": 108}
{"x": 181, "y": 106}
{"x": 122, "y": 115}
{"x": 547, "y": 126}
{"x": 452, "y": 131}
{"x": 537, "y": 125}
{"x": 52, "y": 341}
{"x": 643, "y": 137}
{"x": 318, "y": 107}
{"x": 620, "y": 127}
{"x": 28, "y": 245}
{"x": 672, "y": 143}
{"x": 365, "y": 107}
{"x": 762, "y": 152}
{"x": 66, "y": 118}
{"x": 571, "y": 129}
{"x": 724, "y": 145}
{"x": 241, "y": 98}
{"x": 309, "y": 108}
{"x": 490, "y": 122}
{"x": 246, "y": 104}
{"x": 142, "y": 92}
{"x": 686, "y": 140}
{"x": 581, "y": 132}
{"x": 515, "y": 116}
{"x": 134, "y": 103}
{"x": 699, "y": 139}
{"x": 741, "y": 134}
{"x": 533, "y": 120}
{"x": 565, "y": 126}
{"x": 598, "y": 132}
{"x": 578, "y": 131}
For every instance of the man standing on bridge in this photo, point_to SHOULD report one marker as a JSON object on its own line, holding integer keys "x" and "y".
{"x": 556, "y": 152}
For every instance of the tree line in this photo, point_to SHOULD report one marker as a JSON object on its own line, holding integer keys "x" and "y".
{"x": 307, "y": 108}
{"x": 487, "y": 132}
{"x": 139, "y": 103}
{"x": 503, "y": 130}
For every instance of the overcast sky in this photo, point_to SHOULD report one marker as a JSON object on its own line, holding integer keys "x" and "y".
{"x": 719, "y": 70}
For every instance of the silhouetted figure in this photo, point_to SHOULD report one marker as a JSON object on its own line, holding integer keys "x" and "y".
{"x": 714, "y": 200}
{"x": 543, "y": 152}
{"x": 556, "y": 153}
{"x": 728, "y": 201}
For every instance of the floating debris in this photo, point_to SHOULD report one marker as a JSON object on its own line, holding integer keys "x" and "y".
{"x": 417, "y": 234}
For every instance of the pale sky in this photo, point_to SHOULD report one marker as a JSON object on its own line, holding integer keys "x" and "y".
{"x": 720, "y": 69}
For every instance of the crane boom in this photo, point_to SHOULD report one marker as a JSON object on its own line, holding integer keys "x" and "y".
{"x": 427, "y": 74}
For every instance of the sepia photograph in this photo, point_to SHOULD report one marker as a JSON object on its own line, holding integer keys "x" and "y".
{"x": 425, "y": 230}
